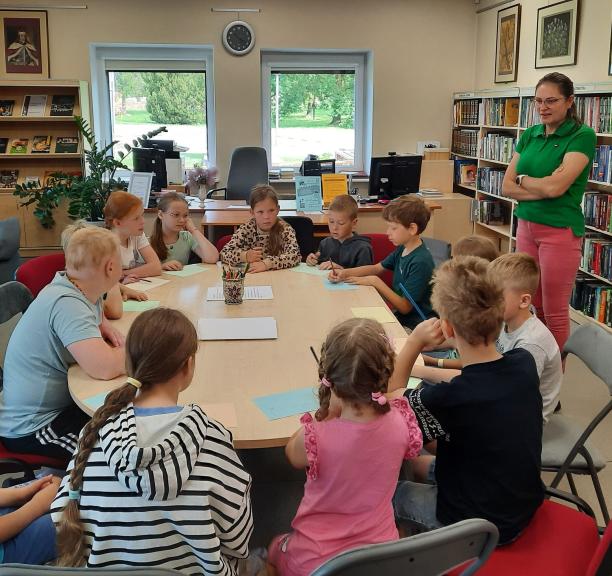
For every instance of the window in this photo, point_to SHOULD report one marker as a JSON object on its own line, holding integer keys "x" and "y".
{"x": 139, "y": 88}
{"x": 315, "y": 104}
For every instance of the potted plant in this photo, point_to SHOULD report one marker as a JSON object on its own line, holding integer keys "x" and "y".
{"x": 86, "y": 194}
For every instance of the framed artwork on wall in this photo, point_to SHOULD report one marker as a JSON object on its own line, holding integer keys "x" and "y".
{"x": 610, "y": 61}
{"x": 506, "y": 53}
{"x": 557, "y": 36}
{"x": 25, "y": 45}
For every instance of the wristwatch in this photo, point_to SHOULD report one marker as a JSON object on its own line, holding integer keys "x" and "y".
{"x": 519, "y": 179}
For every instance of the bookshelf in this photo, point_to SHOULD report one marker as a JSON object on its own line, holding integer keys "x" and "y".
{"x": 492, "y": 126}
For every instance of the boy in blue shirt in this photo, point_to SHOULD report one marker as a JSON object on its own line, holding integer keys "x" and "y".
{"x": 411, "y": 262}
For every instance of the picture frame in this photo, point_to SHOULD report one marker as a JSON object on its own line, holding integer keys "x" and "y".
{"x": 507, "y": 45}
{"x": 24, "y": 38}
{"x": 610, "y": 61}
{"x": 140, "y": 185}
{"x": 557, "y": 34}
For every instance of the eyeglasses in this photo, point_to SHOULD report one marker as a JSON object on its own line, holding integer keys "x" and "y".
{"x": 547, "y": 101}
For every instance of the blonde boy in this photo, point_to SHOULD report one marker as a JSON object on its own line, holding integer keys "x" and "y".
{"x": 64, "y": 325}
{"x": 344, "y": 247}
{"x": 411, "y": 262}
{"x": 520, "y": 276}
{"x": 475, "y": 246}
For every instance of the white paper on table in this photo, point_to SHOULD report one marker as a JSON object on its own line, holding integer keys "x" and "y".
{"x": 262, "y": 328}
{"x": 146, "y": 284}
{"x": 250, "y": 293}
{"x": 238, "y": 207}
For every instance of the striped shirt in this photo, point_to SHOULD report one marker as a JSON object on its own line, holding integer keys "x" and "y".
{"x": 180, "y": 501}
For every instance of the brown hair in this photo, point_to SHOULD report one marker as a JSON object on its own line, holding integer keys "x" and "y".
{"x": 566, "y": 87}
{"x": 88, "y": 246}
{"x": 357, "y": 360}
{"x": 407, "y": 210}
{"x": 345, "y": 204}
{"x": 518, "y": 271}
{"x": 467, "y": 295}
{"x": 260, "y": 193}
{"x": 157, "y": 238}
{"x": 119, "y": 205}
{"x": 475, "y": 245}
{"x": 158, "y": 345}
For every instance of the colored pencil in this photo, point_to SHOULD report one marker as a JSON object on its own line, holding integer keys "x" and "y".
{"x": 411, "y": 300}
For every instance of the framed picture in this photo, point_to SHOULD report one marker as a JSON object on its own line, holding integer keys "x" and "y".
{"x": 506, "y": 53}
{"x": 25, "y": 45}
{"x": 140, "y": 185}
{"x": 557, "y": 36}
{"x": 610, "y": 62}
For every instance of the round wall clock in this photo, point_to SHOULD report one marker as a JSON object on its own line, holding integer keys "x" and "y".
{"x": 238, "y": 38}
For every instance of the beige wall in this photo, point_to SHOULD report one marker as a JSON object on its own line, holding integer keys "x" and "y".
{"x": 423, "y": 51}
{"x": 593, "y": 44}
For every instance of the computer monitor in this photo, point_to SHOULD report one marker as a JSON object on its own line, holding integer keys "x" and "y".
{"x": 393, "y": 176}
{"x": 151, "y": 160}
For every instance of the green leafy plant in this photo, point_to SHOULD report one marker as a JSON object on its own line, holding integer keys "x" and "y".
{"x": 87, "y": 194}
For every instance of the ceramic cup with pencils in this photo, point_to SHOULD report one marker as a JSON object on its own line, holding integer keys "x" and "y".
{"x": 233, "y": 284}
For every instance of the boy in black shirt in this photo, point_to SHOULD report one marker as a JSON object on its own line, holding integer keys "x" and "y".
{"x": 487, "y": 421}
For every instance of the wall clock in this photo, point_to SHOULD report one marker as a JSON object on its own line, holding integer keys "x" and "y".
{"x": 238, "y": 38}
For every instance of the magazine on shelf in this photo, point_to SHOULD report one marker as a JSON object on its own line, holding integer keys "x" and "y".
{"x": 34, "y": 105}
{"x": 8, "y": 178}
{"x": 3, "y": 145}
{"x": 62, "y": 105}
{"x": 6, "y": 107}
{"x": 19, "y": 146}
{"x": 66, "y": 145}
{"x": 32, "y": 180}
{"x": 41, "y": 144}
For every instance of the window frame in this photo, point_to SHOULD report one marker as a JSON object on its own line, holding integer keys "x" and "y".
{"x": 300, "y": 61}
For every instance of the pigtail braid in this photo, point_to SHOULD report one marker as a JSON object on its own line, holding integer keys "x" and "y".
{"x": 324, "y": 391}
{"x": 157, "y": 241}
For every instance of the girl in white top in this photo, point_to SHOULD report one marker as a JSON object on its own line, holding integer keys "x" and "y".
{"x": 124, "y": 215}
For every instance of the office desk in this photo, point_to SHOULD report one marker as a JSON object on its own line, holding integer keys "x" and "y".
{"x": 237, "y": 371}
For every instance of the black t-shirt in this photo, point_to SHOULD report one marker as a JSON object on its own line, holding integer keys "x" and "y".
{"x": 488, "y": 423}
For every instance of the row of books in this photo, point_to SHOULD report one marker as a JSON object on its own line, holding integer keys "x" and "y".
{"x": 36, "y": 105}
{"x": 602, "y": 164}
{"x": 529, "y": 113}
{"x": 40, "y": 145}
{"x": 496, "y": 146}
{"x": 597, "y": 207}
{"x": 592, "y": 298}
{"x": 466, "y": 112}
{"x": 465, "y": 172}
{"x": 492, "y": 212}
{"x": 9, "y": 178}
{"x": 596, "y": 112}
{"x": 490, "y": 179}
{"x": 597, "y": 256}
{"x": 465, "y": 142}
{"x": 501, "y": 111}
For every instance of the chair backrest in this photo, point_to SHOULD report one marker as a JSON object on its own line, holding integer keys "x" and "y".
{"x": 428, "y": 554}
{"x": 601, "y": 565}
{"x": 381, "y": 248}
{"x": 9, "y": 249}
{"x": 38, "y": 272}
{"x": 31, "y": 570}
{"x": 222, "y": 242}
{"x": 248, "y": 167}
{"x": 439, "y": 249}
{"x": 304, "y": 232}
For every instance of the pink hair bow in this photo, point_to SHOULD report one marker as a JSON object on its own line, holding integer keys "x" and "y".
{"x": 325, "y": 382}
{"x": 379, "y": 397}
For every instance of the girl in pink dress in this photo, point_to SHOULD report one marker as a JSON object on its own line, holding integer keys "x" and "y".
{"x": 352, "y": 450}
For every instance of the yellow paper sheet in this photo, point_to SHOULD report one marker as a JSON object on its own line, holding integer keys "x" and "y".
{"x": 380, "y": 313}
{"x": 333, "y": 185}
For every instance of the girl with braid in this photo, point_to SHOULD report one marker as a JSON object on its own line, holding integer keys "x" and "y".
{"x": 153, "y": 483}
{"x": 352, "y": 451}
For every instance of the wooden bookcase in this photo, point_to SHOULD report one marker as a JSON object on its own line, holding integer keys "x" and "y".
{"x": 34, "y": 238}
{"x": 469, "y": 116}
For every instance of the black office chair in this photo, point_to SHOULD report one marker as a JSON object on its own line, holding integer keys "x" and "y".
{"x": 248, "y": 167}
{"x": 304, "y": 233}
{"x": 439, "y": 249}
{"x": 9, "y": 249}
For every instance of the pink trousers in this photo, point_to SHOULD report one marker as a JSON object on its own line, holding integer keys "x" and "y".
{"x": 557, "y": 252}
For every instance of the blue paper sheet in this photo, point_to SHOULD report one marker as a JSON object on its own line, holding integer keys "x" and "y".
{"x": 94, "y": 402}
{"x": 288, "y": 403}
{"x": 339, "y": 286}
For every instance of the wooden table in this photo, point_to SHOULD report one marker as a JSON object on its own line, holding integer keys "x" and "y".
{"x": 237, "y": 371}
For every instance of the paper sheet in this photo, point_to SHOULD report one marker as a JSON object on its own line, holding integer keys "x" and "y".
{"x": 188, "y": 270}
{"x": 262, "y": 328}
{"x": 135, "y": 306}
{"x": 238, "y": 207}
{"x": 305, "y": 269}
{"x": 289, "y": 403}
{"x": 413, "y": 382}
{"x": 94, "y": 402}
{"x": 380, "y": 313}
{"x": 339, "y": 286}
{"x": 215, "y": 293}
{"x": 146, "y": 284}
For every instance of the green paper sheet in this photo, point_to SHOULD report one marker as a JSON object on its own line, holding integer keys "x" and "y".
{"x": 135, "y": 306}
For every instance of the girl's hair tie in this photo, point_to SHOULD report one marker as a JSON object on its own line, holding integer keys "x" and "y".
{"x": 325, "y": 382}
{"x": 133, "y": 382}
{"x": 74, "y": 494}
{"x": 379, "y": 398}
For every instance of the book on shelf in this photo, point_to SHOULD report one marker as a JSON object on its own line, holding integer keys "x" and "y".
{"x": 62, "y": 105}
{"x": 8, "y": 178}
{"x": 511, "y": 112}
{"x": 467, "y": 174}
{"x": 466, "y": 112}
{"x": 597, "y": 207}
{"x": 529, "y": 113}
{"x": 490, "y": 179}
{"x": 497, "y": 146}
{"x": 3, "y": 145}
{"x": 430, "y": 193}
{"x": 286, "y": 173}
{"x": 490, "y": 212}
{"x": 34, "y": 105}
{"x": 59, "y": 176}
{"x": 596, "y": 112}
{"x": 602, "y": 164}
{"x": 593, "y": 298}
{"x": 66, "y": 145}
{"x": 19, "y": 146}
{"x": 41, "y": 144}
{"x": 6, "y": 107}
{"x": 32, "y": 180}
{"x": 501, "y": 111}
{"x": 597, "y": 255}
{"x": 465, "y": 141}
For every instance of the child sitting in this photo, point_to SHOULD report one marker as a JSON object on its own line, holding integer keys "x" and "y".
{"x": 344, "y": 247}
{"x": 352, "y": 452}
{"x": 520, "y": 276}
{"x": 411, "y": 262}
{"x": 487, "y": 421}
{"x": 266, "y": 242}
{"x": 475, "y": 246}
{"x": 175, "y": 236}
{"x": 27, "y": 534}
{"x": 124, "y": 216}
{"x": 154, "y": 483}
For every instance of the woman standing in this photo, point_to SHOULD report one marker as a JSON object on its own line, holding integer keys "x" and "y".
{"x": 548, "y": 175}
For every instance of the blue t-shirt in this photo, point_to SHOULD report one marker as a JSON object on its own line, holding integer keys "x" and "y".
{"x": 37, "y": 359}
{"x": 414, "y": 271}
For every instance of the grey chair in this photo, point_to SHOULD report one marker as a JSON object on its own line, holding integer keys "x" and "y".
{"x": 9, "y": 249}
{"x": 565, "y": 446}
{"x": 440, "y": 250}
{"x": 428, "y": 554}
{"x": 248, "y": 167}
{"x": 29, "y": 570}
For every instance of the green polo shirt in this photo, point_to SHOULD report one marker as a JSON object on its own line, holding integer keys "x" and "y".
{"x": 541, "y": 155}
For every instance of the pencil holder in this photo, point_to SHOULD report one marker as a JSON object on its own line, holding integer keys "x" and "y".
{"x": 233, "y": 290}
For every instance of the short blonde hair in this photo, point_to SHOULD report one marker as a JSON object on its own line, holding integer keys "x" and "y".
{"x": 407, "y": 210}
{"x": 518, "y": 271}
{"x": 346, "y": 204}
{"x": 475, "y": 245}
{"x": 467, "y": 295}
{"x": 89, "y": 246}
{"x": 70, "y": 230}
